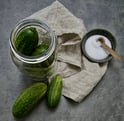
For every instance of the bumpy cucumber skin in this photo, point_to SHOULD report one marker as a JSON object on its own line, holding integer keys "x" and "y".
{"x": 27, "y": 41}
{"x": 55, "y": 91}
{"x": 28, "y": 99}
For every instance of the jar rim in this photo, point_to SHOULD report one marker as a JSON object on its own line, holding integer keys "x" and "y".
{"x": 32, "y": 59}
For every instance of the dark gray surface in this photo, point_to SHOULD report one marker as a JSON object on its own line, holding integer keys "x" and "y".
{"x": 105, "y": 102}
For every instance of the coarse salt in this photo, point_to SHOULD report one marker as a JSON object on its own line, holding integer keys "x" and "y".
{"x": 93, "y": 47}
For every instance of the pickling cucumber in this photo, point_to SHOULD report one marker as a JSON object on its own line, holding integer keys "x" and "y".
{"x": 41, "y": 49}
{"x": 28, "y": 99}
{"x": 27, "y": 41}
{"x": 55, "y": 91}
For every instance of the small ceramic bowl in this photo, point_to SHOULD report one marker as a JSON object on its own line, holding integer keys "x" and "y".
{"x": 100, "y": 32}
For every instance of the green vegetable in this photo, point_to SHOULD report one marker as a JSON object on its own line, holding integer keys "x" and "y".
{"x": 27, "y": 41}
{"x": 41, "y": 49}
{"x": 39, "y": 73}
{"x": 55, "y": 90}
{"x": 28, "y": 99}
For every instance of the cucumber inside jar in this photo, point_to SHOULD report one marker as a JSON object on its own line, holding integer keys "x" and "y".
{"x": 34, "y": 42}
{"x": 41, "y": 49}
{"x": 39, "y": 72}
{"x": 27, "y": 41}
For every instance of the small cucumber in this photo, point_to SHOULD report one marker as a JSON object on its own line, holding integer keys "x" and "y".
{"x": 27, "y": 41}
{"x": 40, "y": 50}
{"x": 54, "y": 91}
{"x": 28, "y": 99}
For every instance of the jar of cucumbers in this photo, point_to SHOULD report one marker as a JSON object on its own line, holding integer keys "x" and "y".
{"x": 33, "y": 48}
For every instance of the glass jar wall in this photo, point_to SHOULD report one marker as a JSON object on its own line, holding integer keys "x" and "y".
{"x": 36, "y": 66}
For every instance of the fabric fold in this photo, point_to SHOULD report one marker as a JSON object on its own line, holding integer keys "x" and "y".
{"x": 80, "y": 75}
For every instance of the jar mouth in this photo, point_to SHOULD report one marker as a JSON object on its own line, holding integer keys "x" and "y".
{"x": 25, "y": 23}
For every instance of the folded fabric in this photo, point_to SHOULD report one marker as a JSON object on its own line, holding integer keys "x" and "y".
{"x": 80, "y": 76}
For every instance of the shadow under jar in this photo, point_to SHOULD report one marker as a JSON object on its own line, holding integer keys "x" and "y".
{"x": 38, "y": 67}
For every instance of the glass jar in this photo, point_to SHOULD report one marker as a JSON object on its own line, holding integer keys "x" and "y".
{"x": 37, "y": 67}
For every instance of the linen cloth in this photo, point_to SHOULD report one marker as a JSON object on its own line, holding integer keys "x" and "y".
{"x": 80, "y": 75}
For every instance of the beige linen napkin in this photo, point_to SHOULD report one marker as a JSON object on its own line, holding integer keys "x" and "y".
{"x": 80, "y": 76}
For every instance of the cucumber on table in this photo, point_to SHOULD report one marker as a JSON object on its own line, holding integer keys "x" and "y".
{"x": 55, "y": 91}
{"x": 28, "y": 99}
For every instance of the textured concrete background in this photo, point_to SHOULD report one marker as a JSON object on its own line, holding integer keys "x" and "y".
{"x": 105, "y": 102}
